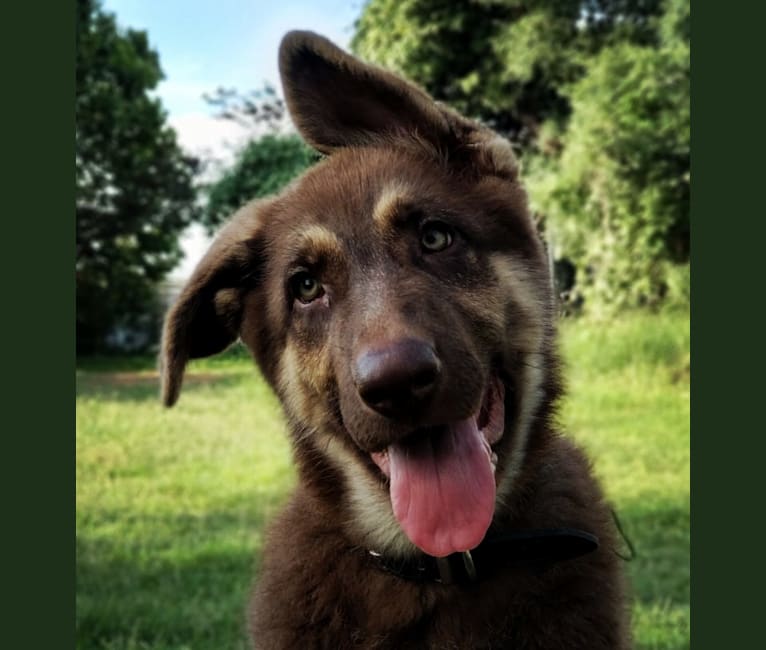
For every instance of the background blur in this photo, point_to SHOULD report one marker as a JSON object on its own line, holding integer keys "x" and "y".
{"x": 179, "y": 121}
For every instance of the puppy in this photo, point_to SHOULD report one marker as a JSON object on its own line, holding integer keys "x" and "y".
{"x": 397, "y": 298}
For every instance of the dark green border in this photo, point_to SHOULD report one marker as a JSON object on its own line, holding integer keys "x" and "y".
{"x": 38, "y": 324}
{"x": 38, "y": 441}
{"x": 728, "y": 332}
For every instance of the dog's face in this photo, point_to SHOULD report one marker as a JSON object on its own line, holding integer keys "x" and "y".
{"x": 396, "y": 297}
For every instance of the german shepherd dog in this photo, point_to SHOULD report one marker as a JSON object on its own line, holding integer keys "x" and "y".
{"x": 397, "y": 298}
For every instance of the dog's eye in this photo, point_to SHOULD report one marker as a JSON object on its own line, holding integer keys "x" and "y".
{"x": 305, "y": 287}
{"x": 435, "y": 237}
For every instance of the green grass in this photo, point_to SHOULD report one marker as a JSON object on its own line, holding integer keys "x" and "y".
{"x": 628, "y": 405}
{"x": 171, "y": 504}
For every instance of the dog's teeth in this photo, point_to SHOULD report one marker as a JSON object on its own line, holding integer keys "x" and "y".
{"x": 493, "y": 460}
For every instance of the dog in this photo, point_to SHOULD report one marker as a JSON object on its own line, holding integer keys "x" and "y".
{"x": 397, "y": 298}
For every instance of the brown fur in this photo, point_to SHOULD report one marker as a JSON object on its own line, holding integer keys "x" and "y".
{"x": 485, "y": 303}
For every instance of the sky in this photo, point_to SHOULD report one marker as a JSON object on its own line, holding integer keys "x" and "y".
{"x": 204, "y": 44}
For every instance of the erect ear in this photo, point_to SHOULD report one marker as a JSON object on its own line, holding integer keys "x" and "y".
{"x": 336, "y": 100}
{"x": 207, "y": 316}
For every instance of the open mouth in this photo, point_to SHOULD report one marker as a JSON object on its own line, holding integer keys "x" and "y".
{"x": 442, "y": 479}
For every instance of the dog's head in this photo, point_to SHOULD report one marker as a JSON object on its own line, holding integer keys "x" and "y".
{"x": 396, "y": 297}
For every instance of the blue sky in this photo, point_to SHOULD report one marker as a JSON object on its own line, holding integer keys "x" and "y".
{"x": 204, "y": 44}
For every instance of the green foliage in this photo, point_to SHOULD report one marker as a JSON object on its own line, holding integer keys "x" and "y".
{"x": 134, "y": 192}
{"x": 503, "y": 61}
{"x": 262, "y": 168}
{"x": 172, "y": 504}
{"x": 617, "y": 197}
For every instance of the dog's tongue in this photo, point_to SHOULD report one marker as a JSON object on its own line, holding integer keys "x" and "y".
{"x": 443, "y": 490}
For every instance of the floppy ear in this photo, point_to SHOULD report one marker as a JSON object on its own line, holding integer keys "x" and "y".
{"x": 336, "y": 100}
{"x": 207, "y": 316}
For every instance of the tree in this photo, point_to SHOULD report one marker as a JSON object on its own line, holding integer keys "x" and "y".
{"x": 262, "y": 168}
{"x": 134, "y": 189}
{"x": 256, "y": 111}
{"x": 505, "y": 62}
{"x": 273, "y": 157}
{"x": 617, "y": 196}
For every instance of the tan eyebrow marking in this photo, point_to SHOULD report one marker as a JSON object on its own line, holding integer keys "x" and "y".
{"x": 321, "y": 241}
{"x": 389, "y": 203}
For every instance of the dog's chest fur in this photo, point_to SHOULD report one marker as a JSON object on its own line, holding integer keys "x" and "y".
{"x": 316, "y": 590}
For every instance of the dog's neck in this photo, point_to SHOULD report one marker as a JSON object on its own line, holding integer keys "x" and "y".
{"x": 535, "y": 550}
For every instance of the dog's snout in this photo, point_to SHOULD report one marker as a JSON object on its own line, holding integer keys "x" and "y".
{"x": 398, "y": 377}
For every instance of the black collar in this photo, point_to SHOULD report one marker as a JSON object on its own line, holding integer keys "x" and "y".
{"x": 533, "y": 549}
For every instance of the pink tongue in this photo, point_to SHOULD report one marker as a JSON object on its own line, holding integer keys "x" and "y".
{"x": 443, "y": 494}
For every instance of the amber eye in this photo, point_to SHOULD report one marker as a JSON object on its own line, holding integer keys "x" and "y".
{"x": 435, "y": 237}
{"x": 305, "y": 287}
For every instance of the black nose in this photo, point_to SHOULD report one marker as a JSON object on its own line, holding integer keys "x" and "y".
{"x": 397, "y": 378}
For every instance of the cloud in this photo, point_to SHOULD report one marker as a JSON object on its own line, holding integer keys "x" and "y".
{"x": 206, "y": 136}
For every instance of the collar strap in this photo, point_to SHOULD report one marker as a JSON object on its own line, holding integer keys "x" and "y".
{"x": 536, "y": 550}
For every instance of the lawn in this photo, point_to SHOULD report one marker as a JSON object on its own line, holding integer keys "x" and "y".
{"x": 171, "y": 504}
